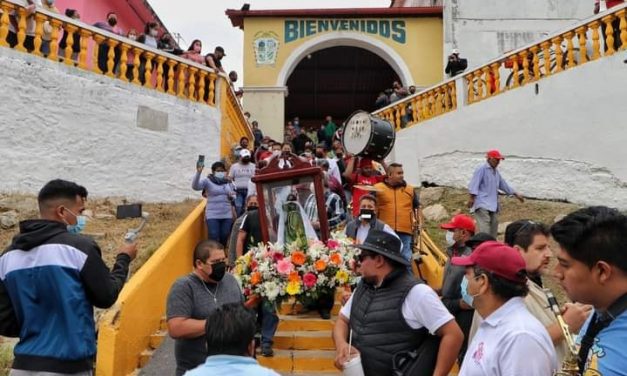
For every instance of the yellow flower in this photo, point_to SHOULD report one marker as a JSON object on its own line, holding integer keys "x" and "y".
{"x": 341, "y": 276}
{"x": 293, "y": 288}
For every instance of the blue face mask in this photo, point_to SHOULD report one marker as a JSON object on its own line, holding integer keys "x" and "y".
{"x": 220, "y": 174}
{"x": 466, "y": 297}
{"x": 81, "y": 221}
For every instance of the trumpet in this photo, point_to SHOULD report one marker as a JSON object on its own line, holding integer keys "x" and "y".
{"x": 570, "y": 366}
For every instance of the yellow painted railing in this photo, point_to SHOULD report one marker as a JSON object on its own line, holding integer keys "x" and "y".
{"x": 117, "y": 57}
{"x": 602, "y": 35}
{"x": 433, "y": 261}
{"x": 124, "y": 331}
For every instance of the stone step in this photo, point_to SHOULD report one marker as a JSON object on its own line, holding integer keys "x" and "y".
{"x": 290, "y": 308}
{"x": 304, "y": 322}
{"x": 304, "y": 340}
{"x": 300, "y": 361}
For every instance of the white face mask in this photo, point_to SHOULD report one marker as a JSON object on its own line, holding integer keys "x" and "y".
{"x": 154, "y": 32}
{"x": 449, "y": 238}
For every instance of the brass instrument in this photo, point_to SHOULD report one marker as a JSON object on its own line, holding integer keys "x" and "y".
{"x": 570, "y": 366}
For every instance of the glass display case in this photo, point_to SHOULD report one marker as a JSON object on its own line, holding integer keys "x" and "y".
{"x": 291, "y": 201}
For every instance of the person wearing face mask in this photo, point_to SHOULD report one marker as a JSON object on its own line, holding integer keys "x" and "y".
{"x": 240, "y": 173}
{"x": 50, "y": 278}
{"x": 458, "y": 232}
{"x": 192, "y": 298}
{"x": 367, "y": 220}
{"x": 220, "y": 194}
{"x": 194, "y": 51}
{"x": 109, "y": 25}
{"x": 230, "y": 332}
{"x": 531, "y": 239}
{"x": 510, "y": 340}
{"x": 391, "y": 312}
{"x": 359, "y": 171}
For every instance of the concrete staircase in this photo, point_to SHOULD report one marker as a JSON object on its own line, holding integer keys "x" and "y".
{"x": 303, "y": 343}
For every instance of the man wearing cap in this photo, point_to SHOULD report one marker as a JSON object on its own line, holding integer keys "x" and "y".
{"x": 399, "y": 206}
{"x": 241, "y": 173}
{"x": 359, "y": 171}
{"x": 214, "y": 60}
{"x": 510, "y": 340}
{"x": 455, "y": 64}
{"x": 390, "y": 312}
{"x": 484, "y": 193}
{"x": 458, "y": 231}
{"x": 592, "y": 269}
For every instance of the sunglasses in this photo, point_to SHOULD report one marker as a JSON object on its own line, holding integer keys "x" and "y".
{"x": 363, "y": 255}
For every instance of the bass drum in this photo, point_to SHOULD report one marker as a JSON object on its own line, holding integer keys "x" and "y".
{"x": 368, "y": 136}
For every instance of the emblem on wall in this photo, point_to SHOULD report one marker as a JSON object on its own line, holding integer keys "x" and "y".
{"x": 266, "y": 46}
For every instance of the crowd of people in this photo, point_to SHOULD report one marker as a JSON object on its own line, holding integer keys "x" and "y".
{"x": 492, "y": 315}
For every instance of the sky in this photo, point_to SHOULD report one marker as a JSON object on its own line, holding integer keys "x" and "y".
{"x": 205, "y": 20}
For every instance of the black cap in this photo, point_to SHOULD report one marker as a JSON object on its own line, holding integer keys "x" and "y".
{"x": 385, "y": 244}
{"x": 220, "y": 49}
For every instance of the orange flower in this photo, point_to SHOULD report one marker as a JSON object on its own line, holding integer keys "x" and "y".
{"x": 298, "y": 258}
{"x": 335, "y": 258}
{"x": 320, "y": 265}
{"x": 255, "y": 278}
{"x": 293, "y": 277}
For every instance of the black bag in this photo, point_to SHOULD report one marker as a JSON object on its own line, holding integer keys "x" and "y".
{"x": 420, "y": 362}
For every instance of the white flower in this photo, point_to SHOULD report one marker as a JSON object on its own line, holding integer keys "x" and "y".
{"x": 271, "y": 290}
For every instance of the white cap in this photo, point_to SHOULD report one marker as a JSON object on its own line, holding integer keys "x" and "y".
{"x": 455, "y": 51}
{"x": 244, "y": 153}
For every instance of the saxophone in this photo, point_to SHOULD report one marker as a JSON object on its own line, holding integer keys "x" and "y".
{"x": 570, "y": 365}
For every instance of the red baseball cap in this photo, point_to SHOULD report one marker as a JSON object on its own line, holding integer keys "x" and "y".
{"x": 494, "y": 154}
{"x": 497, "y": 258}
{"x": 460, "y": 221}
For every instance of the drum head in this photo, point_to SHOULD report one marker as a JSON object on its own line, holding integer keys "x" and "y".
{"x": 357, "y": 132}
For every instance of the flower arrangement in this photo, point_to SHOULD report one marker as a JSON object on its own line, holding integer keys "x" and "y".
{"x": 275, "y": 272}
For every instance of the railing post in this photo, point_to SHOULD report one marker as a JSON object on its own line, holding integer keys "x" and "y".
{"x": 4, "y": 22}
{"x": 136, "y": 62}
{"x": 535, "y": 61}
{"x": 212, "y": 88}
{"x": 69, "y": 29}
{"x": 160, "y": 61}
{"x": 98, "y": 40}
{"x": 148, "y": 69}
{"x": 497, "y": 77}
{"x": 622, "y": 14}
{"x": 609, "y": 35}
{"x": 39, "y": 32}
{"x": 181, "y": 80}
{"x": 124, "y": 61}
{"x": 453, "y": 94}
{"x": 525, "y": 65}
{"x": 582, "y": 39}
{"x": 570, "y": 49}
{"x": 596, "y": 45}
{"x": 54, "y": 39}
{"x": 546, "y": 57}
{"x": 82, "y": 55}
{"x": 110, "y": 57}
{"x": 171, "y": 64}
{"x": 559, "y": 54}
{"x": 191, "y": 88}
{"x": 461, "y": 91}
{"x": 21, "y": 29}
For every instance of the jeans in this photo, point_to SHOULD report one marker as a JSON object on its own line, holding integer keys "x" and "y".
{"x": 487, "y": 221}
{"x": 407, "y": 252}
{"x": 269, "y": 321}
{"x": 240, "y": 200}
{"x": 219, "y": 229}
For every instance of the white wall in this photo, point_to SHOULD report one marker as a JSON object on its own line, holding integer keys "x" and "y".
{"x": 566, "y": 142}
{"x": 61, "y": 122}
{"x": 485, "y": 29}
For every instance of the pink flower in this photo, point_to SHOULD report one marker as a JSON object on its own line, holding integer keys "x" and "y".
{"x": 276, "y": 256}
{"x": 310, "y": 280}
{"x": 333, "y": 244}
{"x": 284, "y": 266}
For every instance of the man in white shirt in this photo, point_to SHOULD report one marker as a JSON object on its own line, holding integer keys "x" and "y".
{"x": 391, "y": 313}
{"x": 241, "y": 173}
{"x": 367, "y": 220}
{"x": 510, "y": 340}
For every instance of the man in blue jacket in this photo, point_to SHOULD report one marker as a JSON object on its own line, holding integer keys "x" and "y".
{"x": 50, "y": 279}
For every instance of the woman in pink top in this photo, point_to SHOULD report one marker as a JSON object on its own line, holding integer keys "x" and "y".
{"x": 193, "y": 53}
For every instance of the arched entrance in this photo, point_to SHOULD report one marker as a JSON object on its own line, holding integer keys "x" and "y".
{"x": 336, "y": 81}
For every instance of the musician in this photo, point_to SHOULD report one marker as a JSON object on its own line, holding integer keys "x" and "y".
{"x": 510, "y": 341}
{"x": 399, "y": 206}
{"x": 390, "y": 312}
{"x": 531, "y": 239}
{"x": 592, "y": 268}
{"x": 359, "y": 171}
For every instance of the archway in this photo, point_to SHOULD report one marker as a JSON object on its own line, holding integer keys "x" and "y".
{"x": 336, "y": 81}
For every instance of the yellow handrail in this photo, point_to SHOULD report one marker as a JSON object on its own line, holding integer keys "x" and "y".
{"x": 564, "y": 50}
{"x": 124, "y": 331}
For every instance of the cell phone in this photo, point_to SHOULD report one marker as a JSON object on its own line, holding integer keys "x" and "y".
{"x": 201, "y": 161}
{"x": 129, "y": 211}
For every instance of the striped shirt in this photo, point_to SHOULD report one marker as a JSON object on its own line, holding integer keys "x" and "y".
{"x": 336, "y": 213}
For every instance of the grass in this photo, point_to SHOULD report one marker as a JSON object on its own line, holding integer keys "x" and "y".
{"x": 6, "y": 358}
